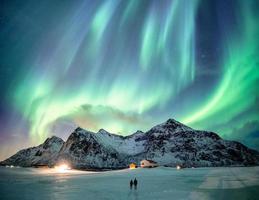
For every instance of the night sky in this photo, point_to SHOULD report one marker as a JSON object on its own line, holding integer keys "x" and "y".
{"x": 127, "y": 65}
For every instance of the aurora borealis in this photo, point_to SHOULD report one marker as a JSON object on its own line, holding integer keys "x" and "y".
{"x": 127, "y": 65}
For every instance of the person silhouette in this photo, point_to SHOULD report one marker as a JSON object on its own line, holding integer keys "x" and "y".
{"x": 135, "y": 183}
{"x": 131, "y": 183}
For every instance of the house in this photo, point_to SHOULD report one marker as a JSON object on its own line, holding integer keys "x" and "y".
{"x": 133, "y": 166}
{"x": 148, "y": 164}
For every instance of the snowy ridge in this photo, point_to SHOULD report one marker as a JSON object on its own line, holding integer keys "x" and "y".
{"x": 36, "y": 156}
{"x": 170, "y": 143}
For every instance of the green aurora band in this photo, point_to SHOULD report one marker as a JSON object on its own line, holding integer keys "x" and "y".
{"x": 238, "y": 89}
{"x": 102, "y": 73}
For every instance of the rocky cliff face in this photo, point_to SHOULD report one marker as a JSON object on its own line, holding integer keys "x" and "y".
{"x": 170, "y": 143}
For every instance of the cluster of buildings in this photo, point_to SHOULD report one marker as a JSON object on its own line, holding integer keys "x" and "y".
{"x": 144, "y": 164}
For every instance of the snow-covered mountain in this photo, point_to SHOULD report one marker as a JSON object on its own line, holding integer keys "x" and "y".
{"x": 85, "y": 149}
{"x": 171, "y": 143}
{"x": 36, "y": 156}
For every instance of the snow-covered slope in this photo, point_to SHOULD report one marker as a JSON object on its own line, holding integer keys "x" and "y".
{"x": 36, "y": 156}
{"x": 170, "y": 143}
{"x": 88, "y": 150}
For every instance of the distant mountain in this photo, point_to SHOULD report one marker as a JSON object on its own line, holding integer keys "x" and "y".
{"x": 36, "y": 156}
{"x": 171, "y": 143}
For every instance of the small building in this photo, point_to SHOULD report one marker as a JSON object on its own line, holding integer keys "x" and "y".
{"x": 133, "y": 166}
{"x": 148, "y": 164}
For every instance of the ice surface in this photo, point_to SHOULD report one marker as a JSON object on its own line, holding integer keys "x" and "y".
{"x": 157, "y": 183}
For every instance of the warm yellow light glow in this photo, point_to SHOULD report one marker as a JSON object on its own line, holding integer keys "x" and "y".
{"x": 132, "y": 166}
{"x": 62, "y": 168}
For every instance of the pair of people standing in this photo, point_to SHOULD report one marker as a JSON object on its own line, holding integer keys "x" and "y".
{"x": 135, "y": 183}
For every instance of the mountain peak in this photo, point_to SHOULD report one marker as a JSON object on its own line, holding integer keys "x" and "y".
{"x": 170, "y": 126}
{"x": 138, "y": 132}
{"x": 53, "y": 139}
{"x": 171, "y": 121}
{"x": 103, "y": 131}
{"x": 78, "y": 129}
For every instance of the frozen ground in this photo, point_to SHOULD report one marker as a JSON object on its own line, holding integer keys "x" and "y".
{"x": 159, "y": 183}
